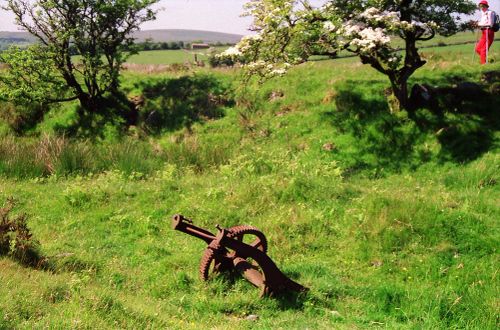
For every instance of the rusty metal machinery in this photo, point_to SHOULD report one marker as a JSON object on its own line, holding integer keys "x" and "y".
{"x": 228, "y": 251}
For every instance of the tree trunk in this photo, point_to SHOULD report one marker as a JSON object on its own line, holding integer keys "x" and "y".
{"x": 399, "y": 99}
{"x": 89, "y": 105}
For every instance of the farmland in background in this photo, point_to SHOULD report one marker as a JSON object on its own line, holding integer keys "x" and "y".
{"x": 172, "y": 56}
{"x": 462, "y": 41}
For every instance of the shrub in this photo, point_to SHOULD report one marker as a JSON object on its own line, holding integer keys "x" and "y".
{"x": 16, "y": 239}
{"x": 22, "y": 118}
{"x": 214, "y": 60}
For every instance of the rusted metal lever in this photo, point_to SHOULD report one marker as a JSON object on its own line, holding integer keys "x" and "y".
{"x": 227, "y": 251}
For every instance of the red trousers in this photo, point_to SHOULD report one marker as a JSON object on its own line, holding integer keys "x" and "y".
{"x": 481, "y": 47}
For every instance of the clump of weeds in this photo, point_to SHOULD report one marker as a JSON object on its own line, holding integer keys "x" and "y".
{"x": 16, "y": 239}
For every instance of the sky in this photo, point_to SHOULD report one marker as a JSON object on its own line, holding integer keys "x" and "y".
{"x": 209, "y": 15}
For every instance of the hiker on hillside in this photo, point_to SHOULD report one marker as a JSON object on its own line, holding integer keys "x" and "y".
{"x": 486, "y": 26}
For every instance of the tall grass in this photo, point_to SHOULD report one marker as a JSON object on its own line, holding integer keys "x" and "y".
{"x": 51, "y": 155}
{"x": 19, "y": 159}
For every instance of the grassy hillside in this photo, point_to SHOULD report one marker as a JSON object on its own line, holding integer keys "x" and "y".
{"x": 17, "y": 35}
{"x": 390, "y": 220}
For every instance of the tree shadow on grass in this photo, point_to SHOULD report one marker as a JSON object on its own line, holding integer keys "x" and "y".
{"x": 381, "y": 139}
{"x": 173, "y": 103}
{"x": 461, "y": 116}
{"x": 164, "y": 104}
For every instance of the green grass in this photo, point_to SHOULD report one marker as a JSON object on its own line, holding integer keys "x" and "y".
{"x": 461, "y": 37}
{"x": 162, "y": 57}
{"x": 169, "y": 56}
{"x": 405, "y": 251}
{"x": 395, "y": 225}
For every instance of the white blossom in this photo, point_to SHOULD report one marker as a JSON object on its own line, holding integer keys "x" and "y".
{"x": 352, "y": 29}
{"x": 377, "y": 35}
{"x": 328, "y": 26}
{"x": 278, "y": 72}
{"x": 370, "y": 13}
{"x": 231, "y": 51}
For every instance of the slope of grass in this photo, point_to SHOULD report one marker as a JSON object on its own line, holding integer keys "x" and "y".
{"x": 163, "y": 57}
{"x": 407, "y": 250}
{"x": 382, "y": 216}
{"x": 173, "y": 56}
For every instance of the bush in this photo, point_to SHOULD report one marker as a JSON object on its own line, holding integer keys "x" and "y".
{"x": 215, "y": 61}
{"x": 16, "y": 239}
{"x": 22, "y": 118}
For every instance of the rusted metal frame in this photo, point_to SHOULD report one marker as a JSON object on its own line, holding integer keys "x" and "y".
{"x": 263, "y": 273}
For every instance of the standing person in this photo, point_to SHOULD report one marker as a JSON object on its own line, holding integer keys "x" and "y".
{"x": 486, "y": 26}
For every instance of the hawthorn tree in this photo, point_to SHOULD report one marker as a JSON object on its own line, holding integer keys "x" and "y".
{"x": 383, "y": 33}
{"x": 98, "y": 30}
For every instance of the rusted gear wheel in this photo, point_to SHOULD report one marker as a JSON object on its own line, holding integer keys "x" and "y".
{"x": 239, "y": 232}
{"x": 209, "y": 263}
{"x": 214, "y": 261}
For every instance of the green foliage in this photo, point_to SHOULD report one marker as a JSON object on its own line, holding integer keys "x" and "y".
{"x": 151, "y": 45}
{"x": 31, "y": 76}
{"x": 28, "y": 85}
{"x": 218, "y": 61}
{"x": 289, "y": 33}
{"x": 21, "y": 118}
{"x": 420, "y": 11}
{"x": 98, "y": 30}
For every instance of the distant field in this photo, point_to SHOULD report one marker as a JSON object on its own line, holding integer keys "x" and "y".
{"x": 170, "y": 56}
{"x": 461, "y": 37}
{"x": 161, "y": 57}
{"x": 165, "y": 57}
{"x": 461, "y": 42}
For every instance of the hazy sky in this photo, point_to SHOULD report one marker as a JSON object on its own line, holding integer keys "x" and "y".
{"x": 210, "y": 15}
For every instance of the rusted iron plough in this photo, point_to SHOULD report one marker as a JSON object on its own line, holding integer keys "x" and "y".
{"x": 227, "y": 251}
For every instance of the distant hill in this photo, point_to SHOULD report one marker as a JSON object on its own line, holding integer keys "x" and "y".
{"x": 164, "y": 35}
{"x": 17, "y": 36}
{"x": 187, "y": 36}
